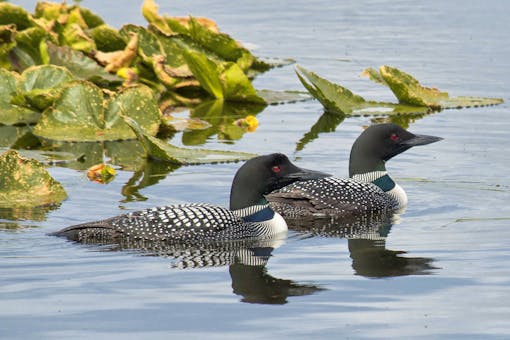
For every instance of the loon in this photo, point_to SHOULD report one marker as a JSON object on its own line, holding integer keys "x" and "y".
{"x": 369, "y": 188}
{"x": 250, "y": 215}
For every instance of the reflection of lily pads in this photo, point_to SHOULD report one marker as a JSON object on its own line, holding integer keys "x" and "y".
{"x": 26, "y": 183}
{"x": 222, "y": 116}
{"x": 159, "y": 150}
{"x": 81, "y": 114}
{"x": 408, "y": 90}
{"x": 336, "y": 98}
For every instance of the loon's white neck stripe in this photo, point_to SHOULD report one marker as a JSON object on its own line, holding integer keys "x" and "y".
{"x": 250, "y": 210}
{"x": 369, "y": 176}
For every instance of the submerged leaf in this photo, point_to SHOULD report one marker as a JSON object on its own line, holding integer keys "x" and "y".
{"x": 159, "y": 150}
{"x": 26, "y": 183}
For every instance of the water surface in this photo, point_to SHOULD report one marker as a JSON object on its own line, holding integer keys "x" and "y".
{"x": 442, "y": 271}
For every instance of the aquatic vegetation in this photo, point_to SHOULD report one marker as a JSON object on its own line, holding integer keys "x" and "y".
{"x": 26, "y": 183}
{"x": 412, "y": 96}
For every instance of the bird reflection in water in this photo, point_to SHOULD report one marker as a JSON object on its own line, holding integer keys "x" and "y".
{"x": 246, "y": 259}
{"x": 366, "y": 238}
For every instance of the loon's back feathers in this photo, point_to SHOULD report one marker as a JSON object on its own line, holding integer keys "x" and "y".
{"x": 251, "y": 218}
{"x": 330, "y": 196}
{"x": 369, "y": 188}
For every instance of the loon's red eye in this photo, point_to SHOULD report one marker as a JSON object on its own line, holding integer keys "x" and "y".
{"x": 394, "y": 137}
{"x": 276, "y": 169}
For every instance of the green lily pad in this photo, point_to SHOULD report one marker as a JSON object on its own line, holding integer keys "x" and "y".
{"x": 222, "y": 81}
{"x": 159, "y": 150}
{"x": 336, "y": 98}
{"x": 221, "y": 44}
{"x": 82, "y": 114}
{"x": 81, "y": 66}
{"x": 26, "y": 183}
{"x": 408, "y": 90}
{"x": 10, "y": 113}
{"x": 107, "y": 39}
{"x": 12, "y": 14}
{"x": 39, "y": 86}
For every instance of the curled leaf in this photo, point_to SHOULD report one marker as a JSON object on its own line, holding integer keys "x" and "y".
{"x": 336, "y": 98}
{"x": 408, "y": 90}
{"x": 113, "y": 61}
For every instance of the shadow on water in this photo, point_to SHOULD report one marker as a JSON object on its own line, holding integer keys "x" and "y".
{"x": 366, "y": 237}
{"x": 246, "y": 259}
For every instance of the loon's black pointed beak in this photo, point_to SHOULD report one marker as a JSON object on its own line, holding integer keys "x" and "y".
{"x": 301, "y": 174}
{"x": 421, "y": 140}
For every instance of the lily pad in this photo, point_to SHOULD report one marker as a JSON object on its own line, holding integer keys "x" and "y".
{"x": 39, "y": 86}
{"x": 82, "y": 114}
{"x": 11, "y": 114}
{"x": 107, "y": 39}
{"x": 26, "y": 183}
{"x": 12, "y": 14}
{"x": 408, "y": 90}
{"x": 81, "y": 66}
{"x": 336, "y": 98}
{"x": 222, "y": 81}
{"x": 159, "y": 150}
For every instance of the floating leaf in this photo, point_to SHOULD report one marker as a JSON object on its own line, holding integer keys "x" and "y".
{"x": 249, "y": 123}
{"x": 283, "y": 97}
{"x": 116, "y": 60}
{"x": 225, "y": 81}
{"x": 101, "y": 173}
{"x": 408, "y": 90}
{"x": 336, "y": 98}
{"x": 81, "y": 66}
{"x": 80, "y": 114}
{"x": 40, "y": 85}
{"x": 107, "y": 39}
{"x": 150, "y": 13}
{"x": 11, "y": 114}
{"x": 11, "y": 14}
{"x": 221, "y": 44}
{"x": 182, "y": 124}
{"x": 159, "y": 150}
{"x": 207, "y": 73}
{"x": 26, "y": 183}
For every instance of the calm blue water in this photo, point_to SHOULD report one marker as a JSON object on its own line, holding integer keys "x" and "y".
{"x": 456, "y": 227}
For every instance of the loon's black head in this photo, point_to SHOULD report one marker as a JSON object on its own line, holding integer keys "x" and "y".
{"x": 379, "y": 143}
{"x": 261, "y": 175}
